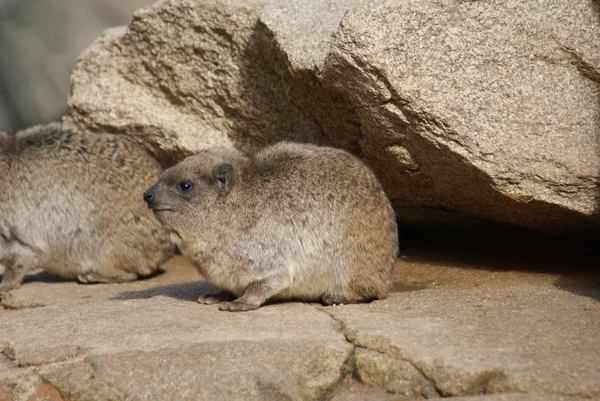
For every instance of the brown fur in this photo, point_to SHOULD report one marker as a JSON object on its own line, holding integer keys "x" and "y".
{"x": 69, "y": 204}
{"x": 294, "y": 221}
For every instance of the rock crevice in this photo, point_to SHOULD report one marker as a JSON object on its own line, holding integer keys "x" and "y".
{"x": 375, "y": 367}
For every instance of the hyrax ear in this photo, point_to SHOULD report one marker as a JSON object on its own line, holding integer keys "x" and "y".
{"x": 224, "y": 175}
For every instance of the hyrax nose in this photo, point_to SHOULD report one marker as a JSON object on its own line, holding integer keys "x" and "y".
{"x": 149, "y": 196}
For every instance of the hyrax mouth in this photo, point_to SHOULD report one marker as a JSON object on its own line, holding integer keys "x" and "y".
{"x": 161, "y": 208}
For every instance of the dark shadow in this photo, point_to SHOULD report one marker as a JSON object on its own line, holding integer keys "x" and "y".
{"x": 193, "y": 290}
{"x": 417, "y": 237}
{"x": 45, "y": 277}
{"x": 575, "y": 259}
{"x": 190, "y": 291}
{"x": 283, "y": 101}
{"x": 184, "y": 291}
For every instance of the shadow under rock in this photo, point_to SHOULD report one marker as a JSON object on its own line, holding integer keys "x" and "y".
{"x": 189, "y": 291}
{"x": 584, "y": 286}
{"x": 574, "y": 259}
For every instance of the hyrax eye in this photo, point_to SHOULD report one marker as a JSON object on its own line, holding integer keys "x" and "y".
{"x": 185, "y": 186}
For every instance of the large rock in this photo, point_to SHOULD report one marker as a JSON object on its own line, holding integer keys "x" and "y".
{"x": 465, "y": 109}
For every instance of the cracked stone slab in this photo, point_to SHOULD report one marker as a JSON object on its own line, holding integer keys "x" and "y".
{"x": 149, "y": 348}
{"x": 40, "y": 356}
{"x": 351, "y": 390}
{"x": 276, "y": 369}
{"x": 461, "y": 322}
{"x": 520, "y": 338}
{"x": 395, "y": 375}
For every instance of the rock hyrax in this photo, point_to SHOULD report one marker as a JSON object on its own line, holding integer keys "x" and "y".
{"x": 70, "y": 204}
{"x": 293, "y": 221}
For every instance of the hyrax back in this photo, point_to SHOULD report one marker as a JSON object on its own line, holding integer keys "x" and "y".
{"x": 294, "y": 221}
{"x": 70, "y": 204}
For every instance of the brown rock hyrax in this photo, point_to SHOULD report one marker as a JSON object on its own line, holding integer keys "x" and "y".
{"x": 293, "y": 221}
{"x": 70, "y": 204}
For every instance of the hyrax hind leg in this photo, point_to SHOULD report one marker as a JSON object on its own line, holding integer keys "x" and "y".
{"x": 221, "y": 296}
{"x": 123, "y": 277}
{"x": 19, "y": 261}
{"x": 330, "y": 300}
{"x": 257, "y": 293}
{"x": 107, "y": 270}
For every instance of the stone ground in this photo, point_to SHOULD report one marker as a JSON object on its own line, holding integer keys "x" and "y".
{"x": 475, "y": 319}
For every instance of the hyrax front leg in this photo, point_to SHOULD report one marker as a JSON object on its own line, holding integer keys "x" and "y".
{"x": 16, "y": 267}
{"x": 256, "y": 294}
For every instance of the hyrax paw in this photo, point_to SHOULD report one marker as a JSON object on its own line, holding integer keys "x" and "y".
{"x": 92, "y": 278}
{"x": 330, "y": 300}
{"x": 4, "y": 287}
{"x": 209, "y": 300}
{"x": 237, "y": 306}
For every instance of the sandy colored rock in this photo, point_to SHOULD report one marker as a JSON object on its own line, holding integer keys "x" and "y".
{"x": 73, "y": 377}
{"x": 351, "y": 390}
{"x": 515, "y": 397}
{"x": 485, "y": 340}
{"x": 466, "y": 110}
{"x": 118, "y": 343}
{"x": 177, "y": 276}
{"x": 476, "y": 319}
{"x": 479, "y": 102}
{"x": 232, "y": 369}
{"x": 395, "y": 375}
{"x": 41, "y": 355}
{"x": 17, "y": 384}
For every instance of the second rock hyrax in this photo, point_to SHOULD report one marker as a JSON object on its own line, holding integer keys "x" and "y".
{"x": 70, "y": 204}
{"x": 293, "y": 221}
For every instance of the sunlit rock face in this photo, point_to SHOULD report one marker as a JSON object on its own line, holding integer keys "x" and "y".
{"x": 467, "y": 111}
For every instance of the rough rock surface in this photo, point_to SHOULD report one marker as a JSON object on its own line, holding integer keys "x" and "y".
{"x": 467, "y": 110}
{"x": 464, "y": 325}
{"x": 462, "y": 342}
{"x": 145, "y": 345}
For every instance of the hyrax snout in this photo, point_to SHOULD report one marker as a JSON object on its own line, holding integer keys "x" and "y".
{"x": 293, "y": 221}
{"x": 70, "y": 204}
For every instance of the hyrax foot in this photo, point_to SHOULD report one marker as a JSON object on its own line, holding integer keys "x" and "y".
{"x": 256, "y": 294}
{"x": 5, "y": 287}
{"x": 98, "y": 278}
{"x": 329, "y": 300}
{"x": 221, "y": 296}
{"x": 237, "y": 306}
{"x": 15, "y": 271}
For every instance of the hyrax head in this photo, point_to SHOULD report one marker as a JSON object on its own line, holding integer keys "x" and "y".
{"x": 192, "y": 187}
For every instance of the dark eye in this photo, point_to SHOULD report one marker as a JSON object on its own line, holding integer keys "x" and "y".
{"x": 185, "y": 186}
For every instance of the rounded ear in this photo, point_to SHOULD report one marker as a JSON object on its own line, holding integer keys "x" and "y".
{"x": 224, "y": 175}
